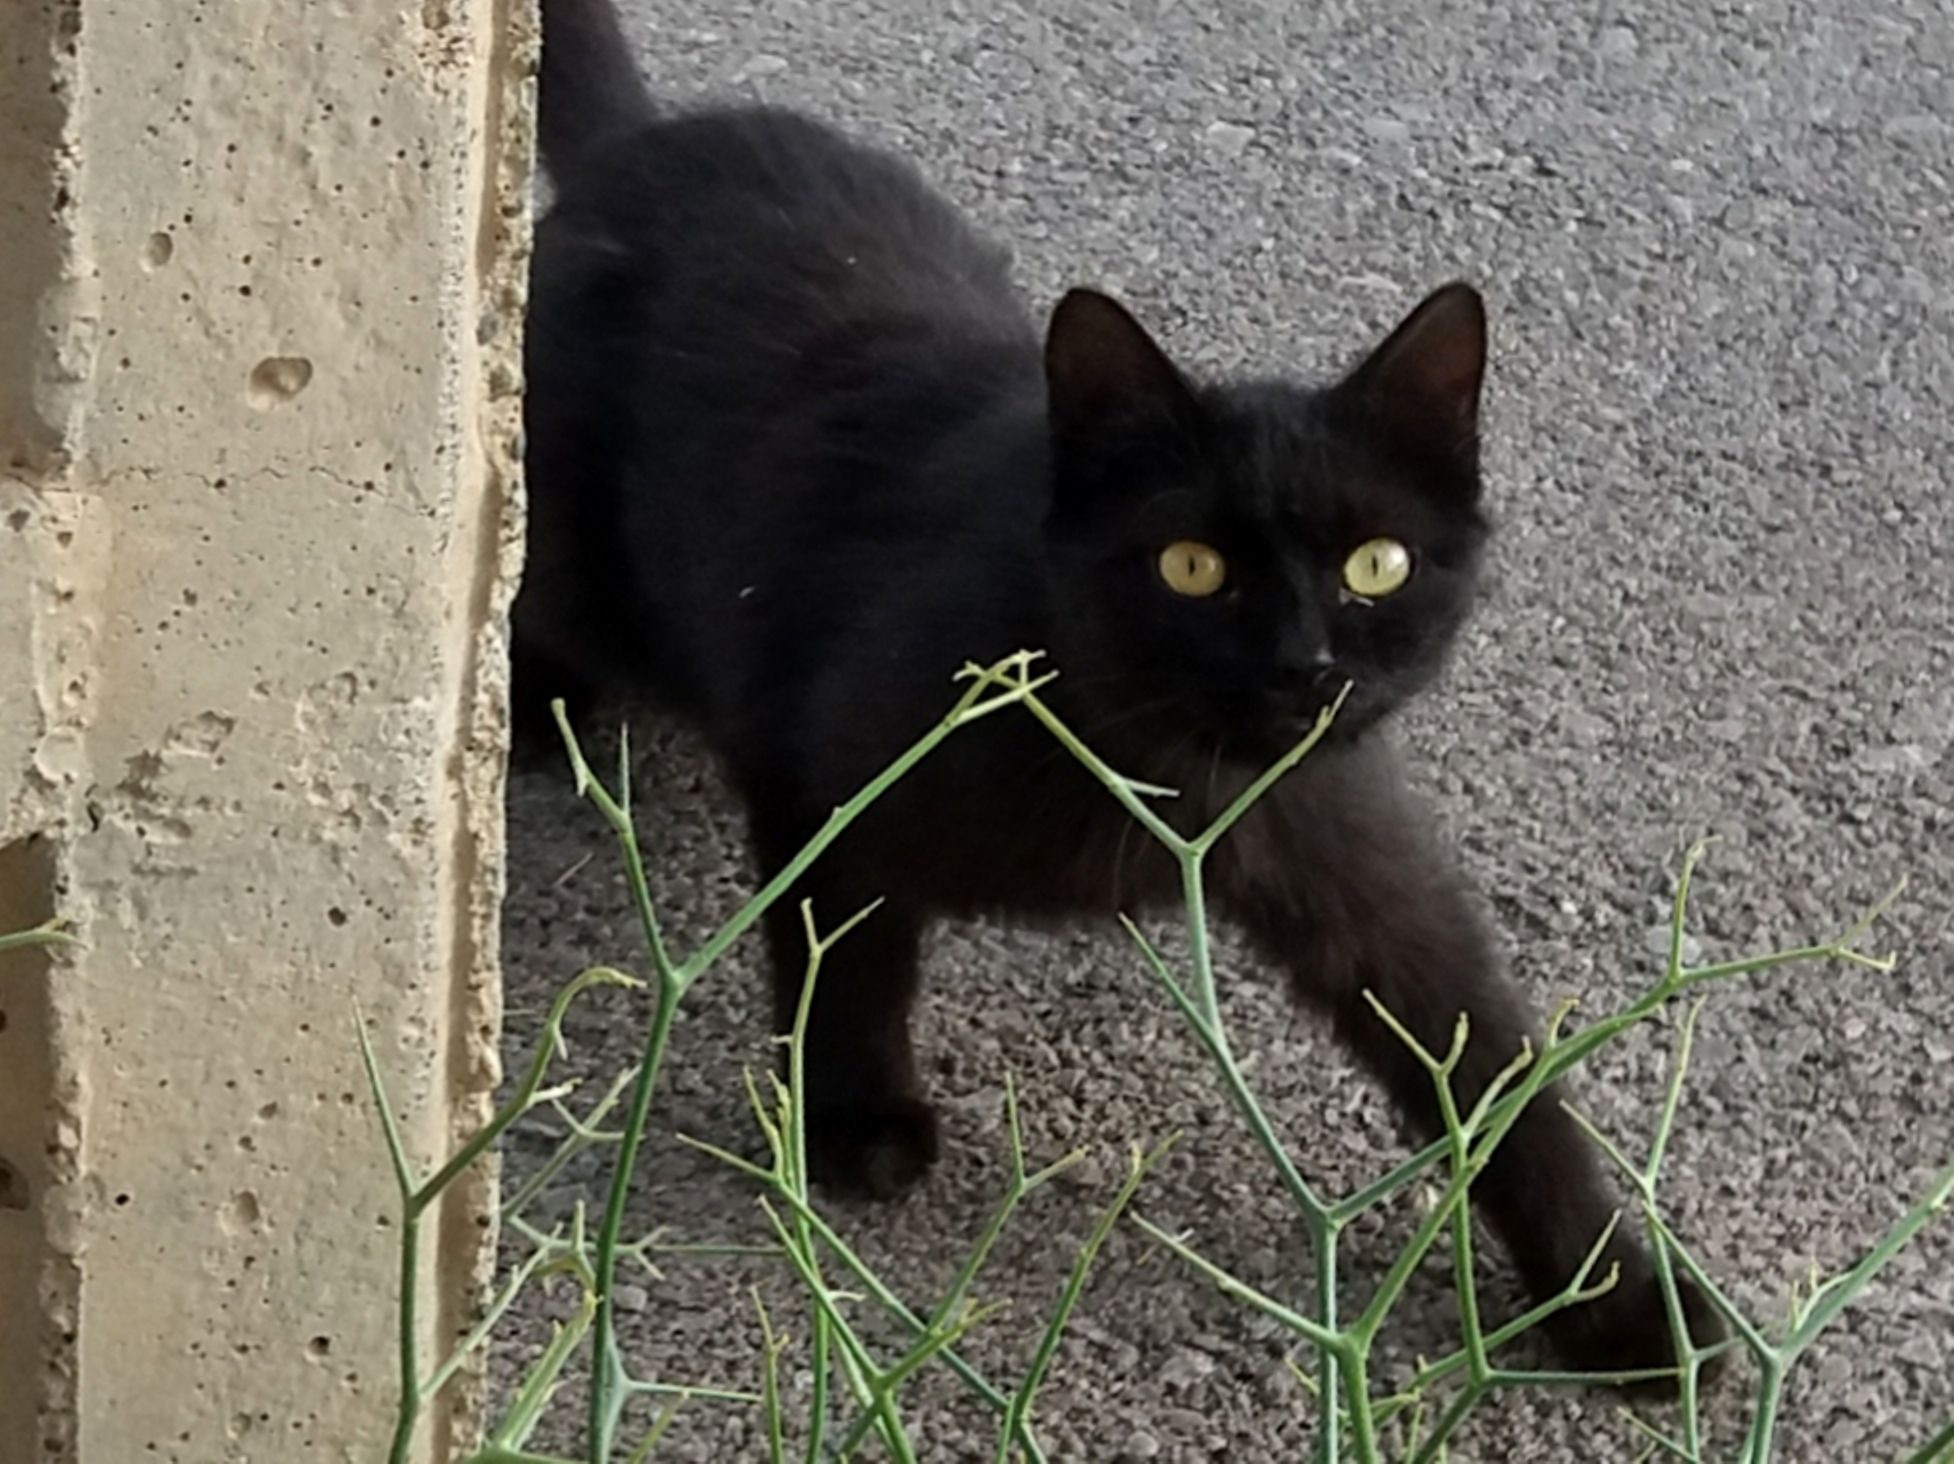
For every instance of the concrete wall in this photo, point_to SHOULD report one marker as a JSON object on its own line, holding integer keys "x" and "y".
{"x": 260, "y": 290}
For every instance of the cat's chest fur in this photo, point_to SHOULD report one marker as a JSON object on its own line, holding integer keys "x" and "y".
{"x": 1002, "y": 820}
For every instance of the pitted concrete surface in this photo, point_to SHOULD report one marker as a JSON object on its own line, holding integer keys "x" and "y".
{"x": 1718, "y": 256}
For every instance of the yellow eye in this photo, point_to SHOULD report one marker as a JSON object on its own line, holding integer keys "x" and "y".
{"x": 1193, "y": 569}
{"x": 1377, "y": 568}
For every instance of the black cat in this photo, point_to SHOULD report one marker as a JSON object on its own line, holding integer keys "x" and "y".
{"x": 796, "y": 453}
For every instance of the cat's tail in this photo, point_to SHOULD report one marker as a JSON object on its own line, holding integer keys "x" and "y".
{"x": 590, "y": 87}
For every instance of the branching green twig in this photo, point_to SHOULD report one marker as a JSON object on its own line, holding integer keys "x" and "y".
{"x": 1811, "y": 1313}
{"x": 1352, "y": 1418}
{"x": 1017, "y": 1418}
{"x": 50, "y": 933}
{"x": 416, "y": 1198}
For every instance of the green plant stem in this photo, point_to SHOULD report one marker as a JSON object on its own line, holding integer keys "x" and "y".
{"x": 581, "y": 1137}
{"x": 661, "y": 1425}
{"x": 407, "y": 1341}
{"x": 1840, "y": 1292}
{"x": 1017, "y": 1417}
{"x": 1569, "y": 1053}
{"x": 770, "y": 1383}
{"x": 1937, "y": 1450}
{"x": 1329, "y": 1446}
{"x": 1231, "y": 1285}
{"x": 607, "y": 1368}
{"x": 1658, "y": 1440}
{"x": 863, "y": 1375}
{"x": 1574, "y": 1293}
{"x": 417, "y": 1198}
{"x": 479, "y": 1333}
{"x": 1463, "y": 1402}
{"x": 1275, "y": 773}
{"x": 1450, "y": 1206}
{"x": 1021, "y": 1187}
{"x": 877, "y": 1290}
{"x": 935, "y": 1336}
{"x": 607, "y": 1372}
{"x": 540, "y": 1381}
{"x": 49, "y": 933}
{"x": 793, "y": 1164}
{"x": 1213, "y": 1037}
{"x": 892, "y": 1377}
{"x": 528, "y": 1092}
{"x": 969, "y": 707}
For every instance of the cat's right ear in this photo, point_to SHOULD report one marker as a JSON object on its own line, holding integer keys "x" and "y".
{"x": 1101, "y": 366}
{"x": 1425, "y": 379}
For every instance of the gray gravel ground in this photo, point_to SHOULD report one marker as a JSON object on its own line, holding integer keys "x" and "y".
{"x": 1717, "y": 244}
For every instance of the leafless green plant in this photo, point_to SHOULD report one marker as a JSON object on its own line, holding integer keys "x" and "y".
{"x": 51, "y": 933}
{"x": 1414, "y": 1421}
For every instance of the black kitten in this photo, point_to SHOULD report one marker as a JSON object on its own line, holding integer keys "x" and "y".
{"x": 797, "y": 453}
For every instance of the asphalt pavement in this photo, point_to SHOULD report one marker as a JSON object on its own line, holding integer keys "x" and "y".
{"x": 1718, "y": 247}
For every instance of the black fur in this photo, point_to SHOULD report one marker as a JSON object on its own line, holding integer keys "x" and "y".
{"x": 797, "y": 452}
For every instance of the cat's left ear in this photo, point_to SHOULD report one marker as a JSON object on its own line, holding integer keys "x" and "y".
{"x": 1425, "y": 379}
{"x": 1102, "y": 366}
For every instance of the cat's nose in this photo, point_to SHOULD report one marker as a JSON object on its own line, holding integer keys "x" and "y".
{"x": 1297, "y": 680}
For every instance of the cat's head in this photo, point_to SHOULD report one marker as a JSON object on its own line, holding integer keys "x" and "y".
{"x": 1227, "y": 557}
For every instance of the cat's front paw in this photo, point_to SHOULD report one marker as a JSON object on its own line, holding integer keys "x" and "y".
{"x": 1627, "y": 1330}
{"x": 877, "y": 1150}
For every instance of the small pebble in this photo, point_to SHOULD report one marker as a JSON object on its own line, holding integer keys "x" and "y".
{"x": 1229, "y": 138}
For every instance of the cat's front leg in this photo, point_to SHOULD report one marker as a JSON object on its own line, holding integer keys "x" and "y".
{"x": 1342, "y": 884}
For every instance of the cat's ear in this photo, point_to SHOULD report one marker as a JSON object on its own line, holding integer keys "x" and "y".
{"x": 1425, "y": 379}
{"x": 1100, "y": 364}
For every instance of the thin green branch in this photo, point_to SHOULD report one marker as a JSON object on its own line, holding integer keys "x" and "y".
{"x": 529, "y": 1092}
{"x": 479, "y": 1333}
{"x": 48, "y": 933}
{"x": 607, "y": 1393}
{"x": 540, "y": 1382}
{"x": 1560, "y": 1056}
{"x": 1212, "y": 1037}
{"x": 690, "y": 1391}
{"x": 582, "y": 1135}
{"x": 770, "y": 1350}
{"x": 1937, "y": 1450}
{"x": 389, "y": 1125}
{"x": 860, "y": 1367}
{"x": 1840, "y": 1292}
{"x": 1232, "y": 1285}
{"x": 872, "y": 1285}
{"x": 1433, "y": 1449}
{"x": 616, "y": 811}
{"x": 792, "y": 1171}
{"x": 926, "y": 1349}
{"x": 1574, "y": 1293}
{"x": 967, "y": 709}
{"x": 1021, "y": 1187}
{"x": 1018, "y": 1416}
{"x": 1657, "y": 1440}
{"x": 407, "y": 1333}
{"x": 662, "y": 1425}
{"x": 1280, "y": 769}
